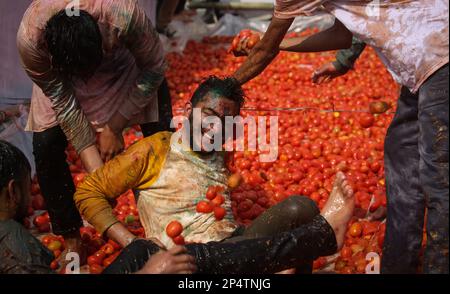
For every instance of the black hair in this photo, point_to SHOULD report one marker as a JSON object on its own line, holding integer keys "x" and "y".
{"x": 74, "y": 43}
{"x": 13, "y": 164}
{"x": 227, "y": 87}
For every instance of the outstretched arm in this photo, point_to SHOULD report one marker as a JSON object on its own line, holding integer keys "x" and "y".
{"x": 264, "y": 52}
{"x": 336, "y": 37}
{"x": 333, "y": 38}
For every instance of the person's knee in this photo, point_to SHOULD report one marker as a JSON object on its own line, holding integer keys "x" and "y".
{"x": 300, "y": 207}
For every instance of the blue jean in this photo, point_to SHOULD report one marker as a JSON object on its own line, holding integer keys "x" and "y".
{"x": 416, "y": 163}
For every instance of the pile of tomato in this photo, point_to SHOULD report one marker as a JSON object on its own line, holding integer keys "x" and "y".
{"x": 338, "y": 126}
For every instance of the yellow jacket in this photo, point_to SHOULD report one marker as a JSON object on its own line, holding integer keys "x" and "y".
{"x": 168, "y": 182}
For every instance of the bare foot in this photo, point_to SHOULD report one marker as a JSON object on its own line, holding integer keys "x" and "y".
{"x": 339, "y": 208}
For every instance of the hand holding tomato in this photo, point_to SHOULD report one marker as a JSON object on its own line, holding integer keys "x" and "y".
{"x": 174, "y": 261}
{"x": 244, "y": 42}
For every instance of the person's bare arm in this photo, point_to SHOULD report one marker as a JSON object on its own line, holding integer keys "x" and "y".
{"x": 69, "y": 115}
{"x": 90, "y": 157}
{"x": 334, "y": 38}
{"x": 136, "y": 168}
{"x": 264, "y": 52}
{"x": 119, "y": 233}
{"x": 176, "y": 260}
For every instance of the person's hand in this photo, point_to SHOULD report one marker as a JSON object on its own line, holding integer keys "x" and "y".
{"x": 245, "y": 42}
{"x": 174, "y": 261}
{"x": 326, "y": 73}
{"x": 110, "y": 143}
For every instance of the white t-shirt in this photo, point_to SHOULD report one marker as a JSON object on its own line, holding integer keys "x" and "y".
{"x": 411, "y": 37}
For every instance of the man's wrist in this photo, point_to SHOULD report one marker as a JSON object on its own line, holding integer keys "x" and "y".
{"x": 340, "y": 67}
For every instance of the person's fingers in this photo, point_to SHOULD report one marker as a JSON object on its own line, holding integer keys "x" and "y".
{"x": 245, "y": 44}
{"x": 184, "y": 267}
{"x": 314, "y": 77}
{"x": 186, "y": 273}
{"x": 239, "y": 46}
{"x": 319, "y": 74}
{"x": 184, "y": 258}
{"x": 177, "y": 250}
{"x": 320, "y": 80}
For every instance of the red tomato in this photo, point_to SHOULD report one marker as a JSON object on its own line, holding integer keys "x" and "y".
{"x": 114, "y": 244}
{"x": 355, "y": 230}
{"x": 108, "y": 249}
{"x": 347, "y": 270}
{"x": 211, "y": 193}
{"x": 315, "y": 196}
{"x": 218, "y": 200}
{"x": 57, "y": 253}
{"x": 95, "y": 269}
{"x": 174, "y": 229}
{"x": 78, "y": 178}
{"x": 54, "y": 265}
{"x": 86, "y": 234}
{"x": 204, "y": 207}
{"x": 219, "y": 213}
{"x": 346, "y": 252}
{"x": 179, "y": 240}
{"x": 366, "y": 120}
{"x": 47, "y": 239}
{"x": 319, "y": 263}
{"x": 40, "y": 220}
{"x": 97, "y": 258}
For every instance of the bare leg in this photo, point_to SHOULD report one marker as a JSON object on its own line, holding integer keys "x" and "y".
{"x": 339, "y": 208}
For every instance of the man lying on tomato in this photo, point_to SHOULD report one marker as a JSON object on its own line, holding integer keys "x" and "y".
{"x": 411, "y": 37}
{"x": 172, "y": 184}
